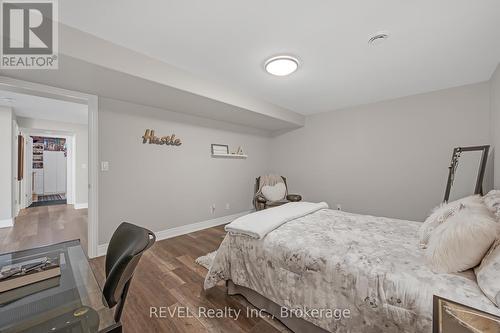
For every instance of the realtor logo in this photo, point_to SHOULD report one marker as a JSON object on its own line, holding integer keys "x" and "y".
{"x": 29, "y": 34}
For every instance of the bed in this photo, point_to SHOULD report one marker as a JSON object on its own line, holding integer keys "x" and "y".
{"x": 331, "y": 260}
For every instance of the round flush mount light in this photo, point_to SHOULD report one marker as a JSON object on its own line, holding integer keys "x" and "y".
{"x": 378, "y": 38}
{"x": 282, "y": 65}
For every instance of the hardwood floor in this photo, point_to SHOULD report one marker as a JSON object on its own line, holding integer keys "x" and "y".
{"x": 45, "y": 225}
{"x": 168, "y": 276}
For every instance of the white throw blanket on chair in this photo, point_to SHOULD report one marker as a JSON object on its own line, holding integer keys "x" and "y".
{"x": 259, "y": 224}
{"x": 268, "y": 180}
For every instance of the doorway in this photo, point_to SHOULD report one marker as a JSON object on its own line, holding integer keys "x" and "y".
{"x": 48, "y": 169}
{"x": 66, "y": 189}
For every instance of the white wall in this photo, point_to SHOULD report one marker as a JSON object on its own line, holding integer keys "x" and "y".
{"x": 81, "y": 142}
{"x": 162, "y": 187}
{"x": 495, "y": 121}
{"x": 6, "y": 170}
{"x": 388, "y": 158}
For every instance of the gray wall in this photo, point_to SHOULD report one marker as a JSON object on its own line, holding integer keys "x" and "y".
{"x": 80, "y": 132}
{"x": 495, "y": 121}
{"x": 388, "y": 158}
{"x": 162, "y": 187}
{"x": 6, "y": 170}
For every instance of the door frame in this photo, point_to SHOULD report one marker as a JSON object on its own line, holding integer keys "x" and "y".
{"x": 92, "y": 101}
{"x": 27, "y": 200}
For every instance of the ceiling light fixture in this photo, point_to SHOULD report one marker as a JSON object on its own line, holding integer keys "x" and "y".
{"x": 378, "y": 38}
{"x": 281, "y": 65}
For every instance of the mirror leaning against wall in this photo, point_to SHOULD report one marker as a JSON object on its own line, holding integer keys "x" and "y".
{"x": 466, "y": 172}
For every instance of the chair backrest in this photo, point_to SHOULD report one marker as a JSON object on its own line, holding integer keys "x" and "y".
{"x": 125, "y": 249}
{"x": 257, "y": 183}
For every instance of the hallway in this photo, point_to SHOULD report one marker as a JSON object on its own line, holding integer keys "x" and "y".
{"x": 44, "y": 225}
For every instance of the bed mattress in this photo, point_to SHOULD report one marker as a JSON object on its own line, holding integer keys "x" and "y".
{"x": 335, "y": 261}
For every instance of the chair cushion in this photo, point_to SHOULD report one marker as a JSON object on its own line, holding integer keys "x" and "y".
{"x": 274, "y": 193}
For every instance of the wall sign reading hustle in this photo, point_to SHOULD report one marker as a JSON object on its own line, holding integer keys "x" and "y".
{"x": 150, "y": 137}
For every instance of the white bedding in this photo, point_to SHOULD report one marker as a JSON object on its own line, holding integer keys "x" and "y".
{"x": 259, "y": 224}
{"x": 370, "y": 265}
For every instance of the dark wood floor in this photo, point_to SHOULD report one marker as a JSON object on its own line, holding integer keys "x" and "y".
{"x": 44, "y": 225}
{"x": 168, "y": 276}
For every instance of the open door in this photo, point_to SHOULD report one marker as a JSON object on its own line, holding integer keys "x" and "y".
{"x": 28, "y": 177}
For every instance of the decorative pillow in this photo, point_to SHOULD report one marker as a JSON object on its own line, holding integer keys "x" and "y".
{"x": 461, "y": 242}
{"x": 274, "y": 193}
{"x": 488, "y": 273}
{"x": 440, "y": 214}
{"x": 492, "y": 201}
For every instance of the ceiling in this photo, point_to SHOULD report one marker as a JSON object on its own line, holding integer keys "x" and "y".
{"x": 432, "y": 45}
{"x": 36, "y": 107}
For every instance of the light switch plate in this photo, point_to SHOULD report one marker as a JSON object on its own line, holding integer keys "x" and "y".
{"x": 104, "y": 166}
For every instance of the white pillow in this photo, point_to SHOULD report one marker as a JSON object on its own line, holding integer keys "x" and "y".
{"x": 440, "y": 214}
{"x": 492, "y": 202}
{"x": 274, "y": 193}
{"x": 461, "y": 242}
{"x": 488, "y": 273}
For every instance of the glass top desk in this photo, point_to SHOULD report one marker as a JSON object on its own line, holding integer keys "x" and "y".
{"x": 74, "y": 305}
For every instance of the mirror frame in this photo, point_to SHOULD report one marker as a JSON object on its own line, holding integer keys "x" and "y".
{"x": 454, "y": 164}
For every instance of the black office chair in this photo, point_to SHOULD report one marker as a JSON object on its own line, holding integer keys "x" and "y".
{"x": 125, "y": 249}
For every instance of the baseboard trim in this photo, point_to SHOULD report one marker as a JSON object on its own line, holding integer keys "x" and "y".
{"x": 185, "y": 229}
{"x": 81, "y": 205}
{"x": 6, "y": 223}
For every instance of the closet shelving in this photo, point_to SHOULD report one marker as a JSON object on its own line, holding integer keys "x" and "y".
{"x": 38, "y": 155}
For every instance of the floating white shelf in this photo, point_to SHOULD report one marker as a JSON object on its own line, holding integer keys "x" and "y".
{"x": 229, "y": 156}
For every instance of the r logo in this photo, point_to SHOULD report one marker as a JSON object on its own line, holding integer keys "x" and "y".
{"x": 27, "y": 28}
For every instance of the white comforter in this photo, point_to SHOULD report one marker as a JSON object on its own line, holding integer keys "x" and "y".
{"x": 259, "y": 224}
{"x": 335, "y": 260}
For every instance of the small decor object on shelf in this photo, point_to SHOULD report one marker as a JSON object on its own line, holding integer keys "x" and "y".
{"x": 218, "y": 149}
{"x": 239, "y": 151}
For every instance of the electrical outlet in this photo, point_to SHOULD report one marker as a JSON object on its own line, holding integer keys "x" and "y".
{"x": 228, "y": 206}
{"x": 339, "y": 207}
{"x": 212, "y": 209}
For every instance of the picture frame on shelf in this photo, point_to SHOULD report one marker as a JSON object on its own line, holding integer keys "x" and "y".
{"x": 219, "y": 149}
